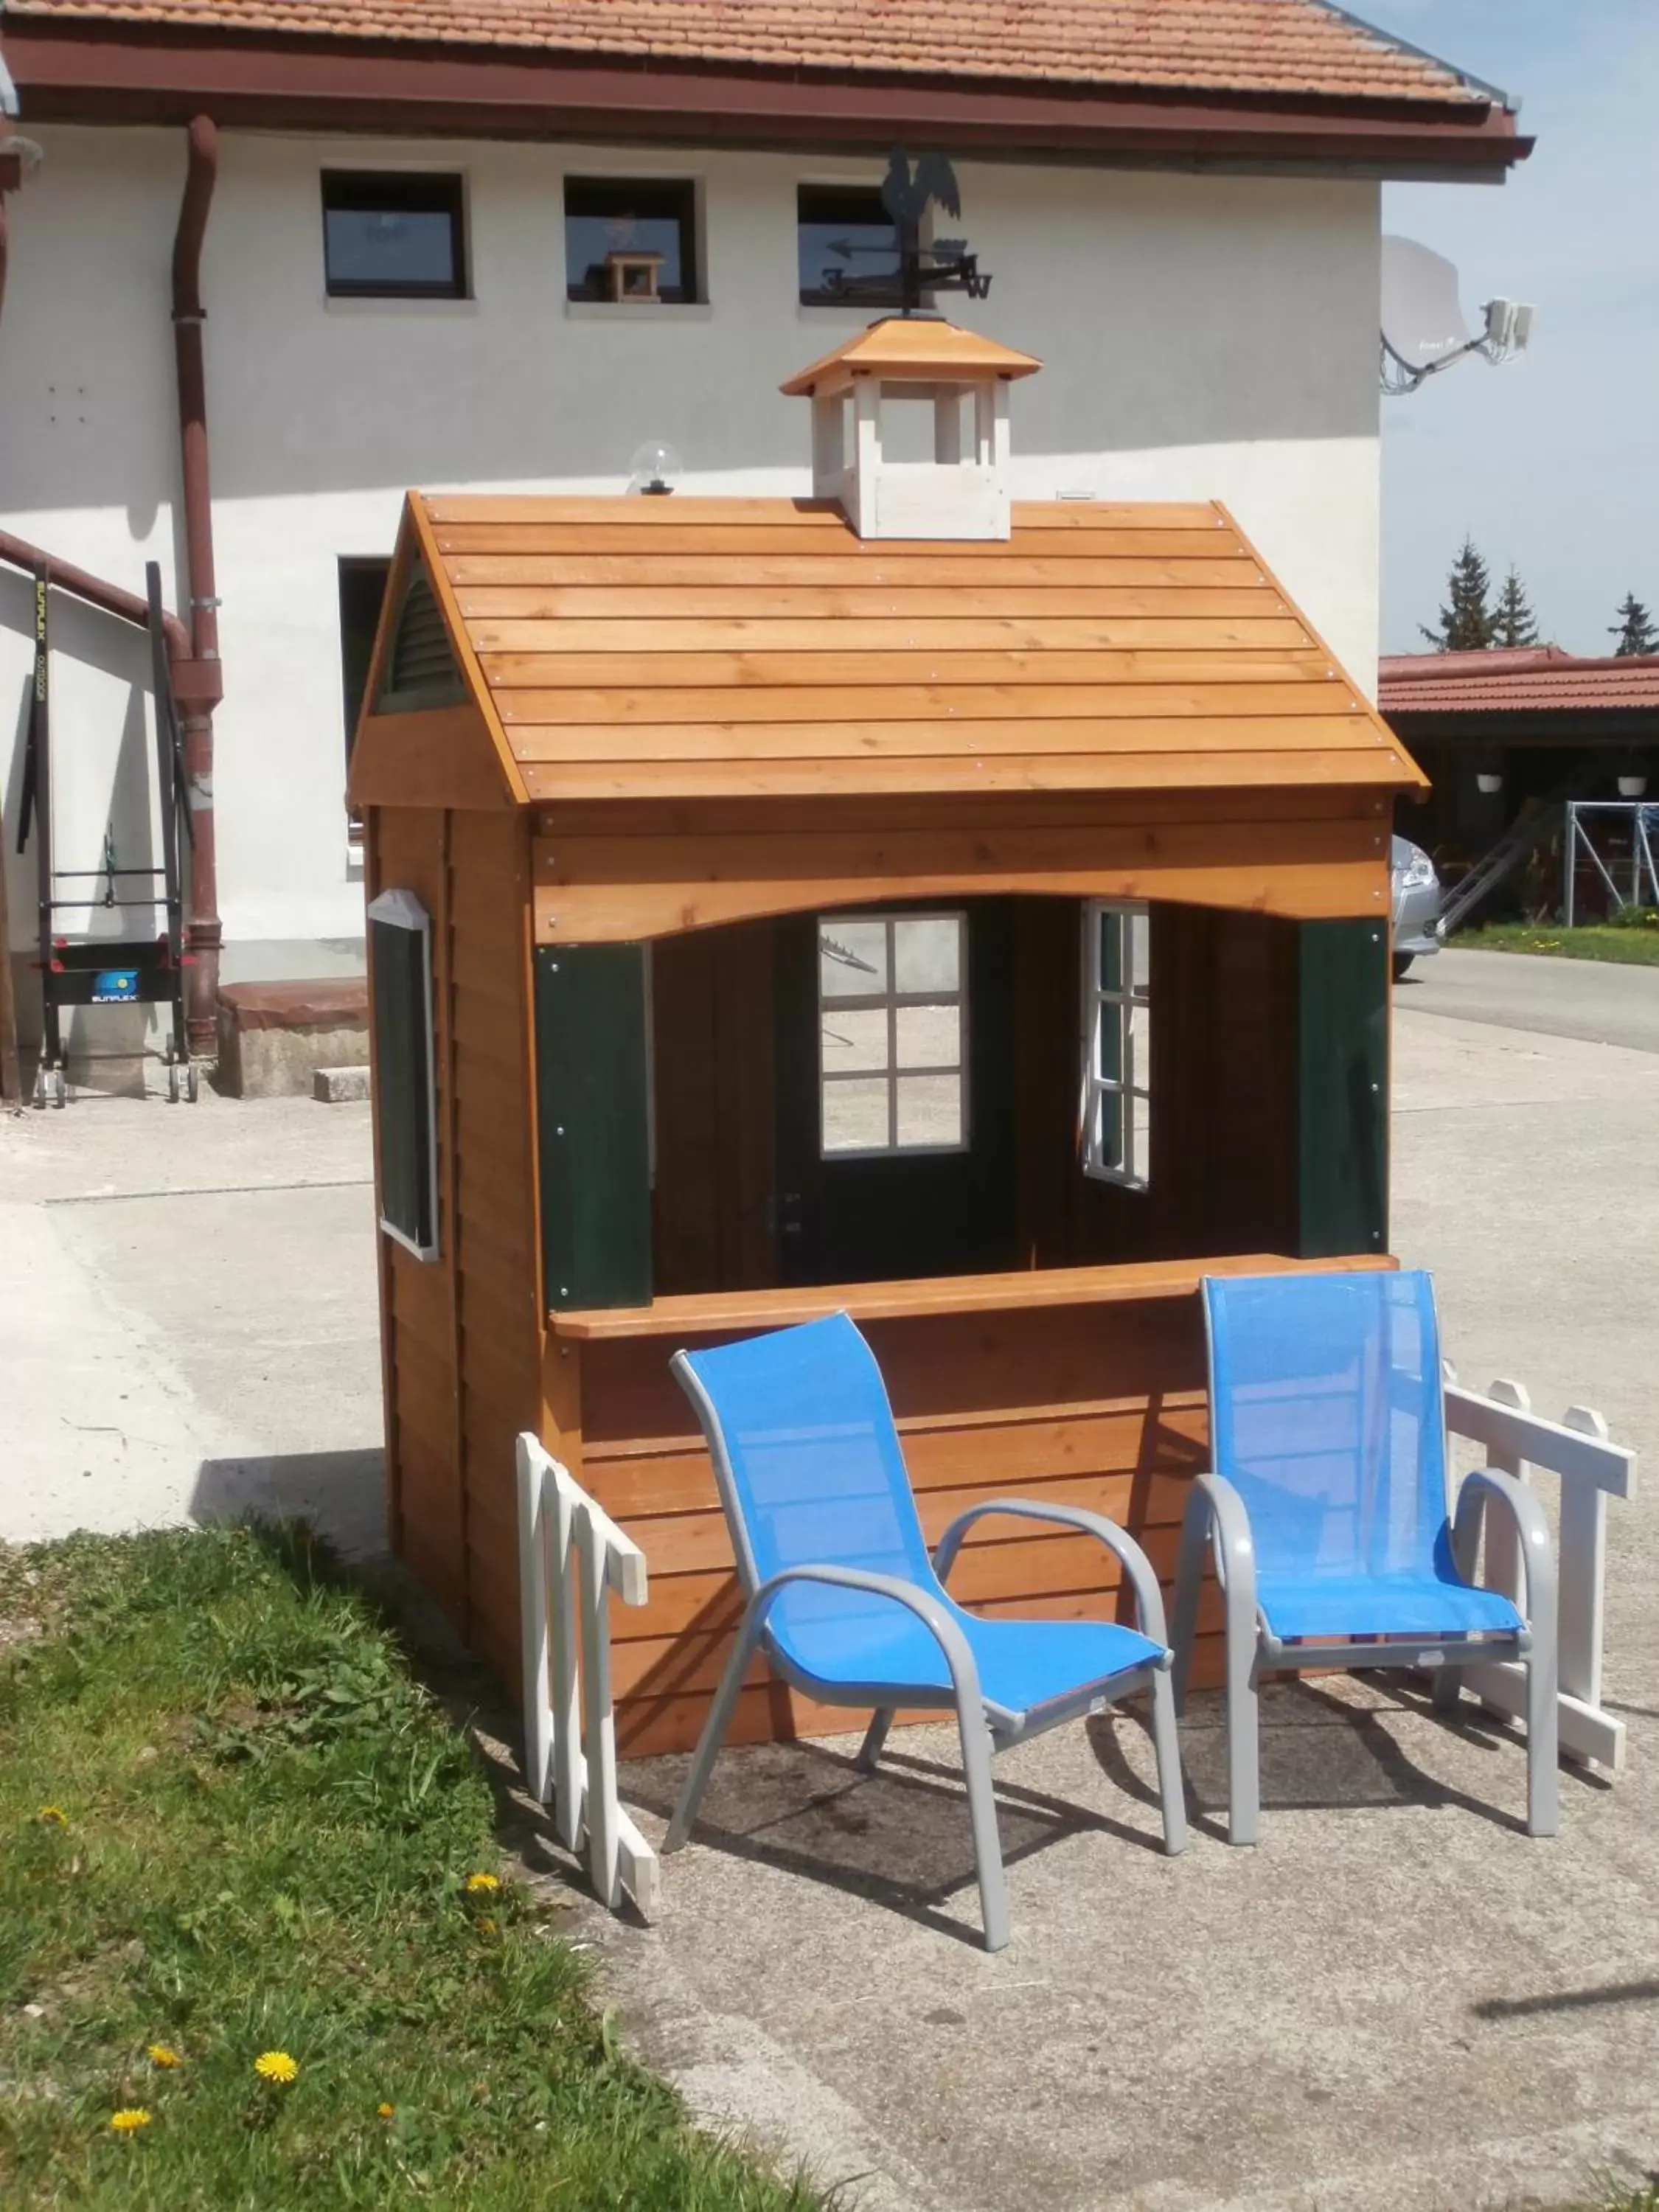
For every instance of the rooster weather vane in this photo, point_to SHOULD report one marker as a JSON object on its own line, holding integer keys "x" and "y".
{"x": 946, "y": 265}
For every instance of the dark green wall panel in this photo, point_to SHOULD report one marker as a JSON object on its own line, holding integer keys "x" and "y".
{"x": 1343, "y": 1088}
{"x": 594, "y": 1145}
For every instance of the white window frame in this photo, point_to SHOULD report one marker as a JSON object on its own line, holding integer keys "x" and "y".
{"x": 401, "y": 909}
{"x": 889, "y": 1001}
{"x": 1110, "y": 1073}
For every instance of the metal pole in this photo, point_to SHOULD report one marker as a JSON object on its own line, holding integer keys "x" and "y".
{"x": 1572, "y": 859}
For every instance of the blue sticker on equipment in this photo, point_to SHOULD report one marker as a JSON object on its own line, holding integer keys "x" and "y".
{"x": 114, "y": 983}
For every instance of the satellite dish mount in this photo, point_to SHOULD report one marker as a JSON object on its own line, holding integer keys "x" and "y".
{"x": 1423, "y": 327}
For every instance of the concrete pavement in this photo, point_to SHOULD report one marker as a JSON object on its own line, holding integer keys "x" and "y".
{"x": 1399, "y": 2003}
{"x": 1591, "y": 999}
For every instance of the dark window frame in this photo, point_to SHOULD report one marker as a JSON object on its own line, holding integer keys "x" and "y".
{"x": 679, "y": 202}
{"x": 405, "y": 1069}
{"x": 854, "y": 207}
{"x": 398, "y": 191}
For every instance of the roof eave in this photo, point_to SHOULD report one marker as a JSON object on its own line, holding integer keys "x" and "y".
{"x": 88, "y": 71}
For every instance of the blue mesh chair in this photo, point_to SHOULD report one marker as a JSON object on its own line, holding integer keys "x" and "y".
{"x": 847, "y": 1605}
{"x": 1326, "y": 1512}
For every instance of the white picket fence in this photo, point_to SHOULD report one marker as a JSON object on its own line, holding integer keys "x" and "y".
{"x": 571, "y": 1557}
{"x": 1591, "y": 1469}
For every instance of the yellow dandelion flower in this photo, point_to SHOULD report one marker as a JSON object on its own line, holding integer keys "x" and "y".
{"x": 476, "y": 1882}
{"x": 275, "y": 2066}
{"x": 53, "y": 1816}
{"x": 129, "y": 2121}
{"x": 162, "y": 2054}
{"x": 385, "y": 2112}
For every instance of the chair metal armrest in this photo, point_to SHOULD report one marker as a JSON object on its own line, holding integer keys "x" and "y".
{"x": 1149, "y": 1599}
{"x": 958, "y": 1654}
{"x": 1213, "y": 1499}
{"x": 1491, "y": 1484}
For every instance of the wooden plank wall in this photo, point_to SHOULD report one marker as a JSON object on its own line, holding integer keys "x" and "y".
{"x": 463, "y": 1331}
{"x": 1101, "y": 1407}
{"x": 713, "y": 1076}
{"x": 495, "y": 1243}
{"x": 409, "y": 852}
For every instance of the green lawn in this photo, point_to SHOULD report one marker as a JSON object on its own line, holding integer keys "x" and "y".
{"x": 1637, "y": 948}
{"x": 233, "y": 1824}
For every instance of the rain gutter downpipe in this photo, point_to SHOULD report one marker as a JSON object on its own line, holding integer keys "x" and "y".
{"x": 200, "y": 682}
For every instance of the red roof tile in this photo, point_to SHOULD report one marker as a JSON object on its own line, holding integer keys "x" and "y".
{"x": 1296, "y": 47}
{"x": 1524, "y": 680}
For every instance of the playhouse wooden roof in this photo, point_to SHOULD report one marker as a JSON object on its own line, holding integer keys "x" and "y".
{"x": 920, "y": 350}
{"x": 691, "y": 648}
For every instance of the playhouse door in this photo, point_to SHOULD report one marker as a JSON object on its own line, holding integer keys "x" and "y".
{"x": 895, "y": 1091}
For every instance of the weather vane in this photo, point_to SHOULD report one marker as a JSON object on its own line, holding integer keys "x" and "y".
{"x": 946, "y": 265}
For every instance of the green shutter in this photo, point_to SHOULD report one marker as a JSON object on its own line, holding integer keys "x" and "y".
{"x": 595, "y": 1142}
{"x": 1343, "y": 1085}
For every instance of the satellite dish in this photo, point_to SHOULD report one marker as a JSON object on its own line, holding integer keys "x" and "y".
{"x": 1422, "y": 326}
{"x": 1422, "y": 316}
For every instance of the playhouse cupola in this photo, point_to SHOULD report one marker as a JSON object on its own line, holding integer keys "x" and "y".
{"x": 903, "y": 362}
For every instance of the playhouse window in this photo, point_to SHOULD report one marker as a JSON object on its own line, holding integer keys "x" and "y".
{"x": 400, "y": 963}
{"x": 630, "y": 239}
{"x": 892, "y": 1033}
{"x": 401, "y": 236}
{"x": 845, "y": 229}
{"x": 1117, "y": 1029}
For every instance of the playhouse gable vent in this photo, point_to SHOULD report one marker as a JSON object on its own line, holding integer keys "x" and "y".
{"x": 964, "y": 490}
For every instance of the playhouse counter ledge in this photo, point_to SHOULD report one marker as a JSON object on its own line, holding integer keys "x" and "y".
{"x": 698, "y": 1314}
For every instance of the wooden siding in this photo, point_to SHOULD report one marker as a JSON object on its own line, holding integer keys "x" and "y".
{"x": 1294, "y": 853}
{"x": 720, "y": 647}
{"x": 1054, "y": 1401}
{"x": 495, "y": 1248}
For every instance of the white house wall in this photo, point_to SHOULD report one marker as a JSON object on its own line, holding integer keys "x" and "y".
{"x": 1203, "y": 336}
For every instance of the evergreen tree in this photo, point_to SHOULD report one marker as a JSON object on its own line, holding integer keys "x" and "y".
{"x": 1466, "y": 623}
{"x": 1512, "y": 619}
{"x": 1634, "y": 629}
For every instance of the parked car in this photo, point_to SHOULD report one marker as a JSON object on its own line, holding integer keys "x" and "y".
{"x": 1416, "y": 904}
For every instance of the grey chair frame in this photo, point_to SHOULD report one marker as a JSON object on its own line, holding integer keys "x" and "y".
{"x": 985, "y": 1727}
{"x": 1216, "y": 1517}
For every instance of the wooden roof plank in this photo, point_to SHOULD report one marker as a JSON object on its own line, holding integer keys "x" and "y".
{"x": 520, "y": 507}
{"x": 967, "y": 699}
{"x": 1033, "y": 772}
{"x": 793, "y": 537}
{"x": 694, "y": 638}
{"x": 979, "y": 565}
{"x": 1155, "y": 615}
{"x": 853, "y": 741}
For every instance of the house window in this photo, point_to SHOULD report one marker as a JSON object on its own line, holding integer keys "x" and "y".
{"x": 399, "y": 236}
{"x": 405, "y": 1106}
{"x": 892, "y": 1033}
{"x": 843, "y": 230}
{"x": 1117, "y": 1028}
{"x": 630, "y": 239}
{"x": 362, "y": 587}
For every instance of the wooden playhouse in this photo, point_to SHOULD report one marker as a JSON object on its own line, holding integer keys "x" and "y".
{"x": 974, "y": 916}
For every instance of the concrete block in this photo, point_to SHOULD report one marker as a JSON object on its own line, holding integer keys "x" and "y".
{"x": 274, "y": 1036}
{"x": 340, "y": 1086}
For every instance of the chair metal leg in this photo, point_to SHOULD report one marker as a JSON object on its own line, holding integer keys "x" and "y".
{"x": 874, "y": 1737}
{"x": 1243, "y": 1732}
{"x": 982, "y": 1816}
{"x": 1189, "y": 1573}
{"x": 714, "y": 1731}
{"x": 1543, "y": 1777}
{"x": 1166, "y": 1741}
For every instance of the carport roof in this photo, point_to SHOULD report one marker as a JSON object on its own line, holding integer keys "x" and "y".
{"x": 1523, "y": 680}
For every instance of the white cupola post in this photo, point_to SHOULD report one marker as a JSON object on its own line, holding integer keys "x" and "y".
{"x": 965, "y": 490}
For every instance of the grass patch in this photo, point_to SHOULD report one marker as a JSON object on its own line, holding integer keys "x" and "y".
{"x": 1636, "y": 948}
{"x": 233, "y": 1824}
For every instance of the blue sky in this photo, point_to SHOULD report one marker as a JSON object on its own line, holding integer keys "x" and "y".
{"x": 1552, "y": 463}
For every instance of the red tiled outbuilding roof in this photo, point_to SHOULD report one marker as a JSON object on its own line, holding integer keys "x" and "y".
{"x": 1521, "y": 680}
{"x": 1299, "y": 48}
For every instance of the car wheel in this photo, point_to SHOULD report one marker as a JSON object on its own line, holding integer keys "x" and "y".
{"x": 1402, "y": 961}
